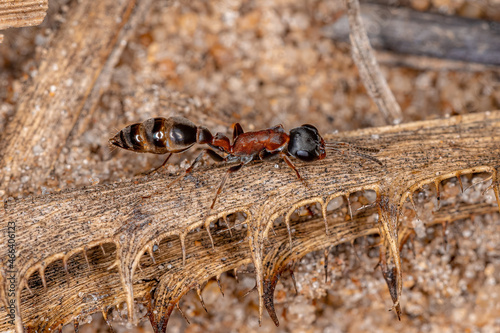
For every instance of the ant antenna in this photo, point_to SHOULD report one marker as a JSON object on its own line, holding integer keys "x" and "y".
{"x": 353, "y": 150}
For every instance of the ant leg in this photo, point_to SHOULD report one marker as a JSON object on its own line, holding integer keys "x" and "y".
{"x": 237, "y": 130}
{"x": 290, "y": 164}
{"x": 266, "y": 155}
{"x": 161, "y": 166}
{"x": 210, "y": 153}
{"x": 228, "y": 172}
{"x": 216, "y": 157}
{"x": 213, "y": 155}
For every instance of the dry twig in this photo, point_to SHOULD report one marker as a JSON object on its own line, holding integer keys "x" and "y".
{"x": 118, "y": 217}
{"x": 369, "y": 70}
{"x": 21, "y": 13}
{"x": 67, "y": 87}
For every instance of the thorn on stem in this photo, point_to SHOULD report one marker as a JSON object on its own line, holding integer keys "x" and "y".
{"x": 76, "y": 325}
{"x": 105, "y": 317}
{"x": 326, "y": 251}
{"x": 438, "y": 194}
{"x": 459, "y": 178}
{"x": 445, "y": 237}
{"x": 414, "y": 206}
{"x": 269, "y": 287}
{"x": 236, "y": 275}
{"x": 497, "y": 195}
{"x": 287, "y": 222}
{"x": 182, "y": 238}
{"x": 25, "y": 282}
{"x": 355, "y": 251}
{"x": 323, "y": 212}
{"x": 207, "y": 226}
{"x": 249, "y": 291}
{"x": 150, "y": 252}
{"x": 86, "y": 258}
{"x": 479, "y": 182}
{"x": 42, "y": 276}
{"x": 182, "y": 313}
{"x": 227, "y": 225}
{"x": 65, "y": 264}
{"x": 391, "y": 277}
{"x": 347, "y": 196}
{"x": 218, "y": 283}
{"x": 290, "y": 269}
{"x": 198, "y": 291}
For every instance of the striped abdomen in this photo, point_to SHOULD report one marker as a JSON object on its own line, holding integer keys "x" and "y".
{"x": 157, "y": 136}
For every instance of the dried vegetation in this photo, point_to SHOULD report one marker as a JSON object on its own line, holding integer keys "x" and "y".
{"x": 104, "y": 248}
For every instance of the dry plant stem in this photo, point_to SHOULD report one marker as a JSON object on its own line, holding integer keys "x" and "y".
{"x": 59, "y": 230}
{"x": 102, "y": 84}
{"x": 369, "y": 70}
{"x": 22, "y": 13}
{"x": 72, "y": 67}
{"x": 309, "y": 237}
{"x": 48, "y": 110}
{"x": 391, "y": 59}
{"x": 465, "y": 43}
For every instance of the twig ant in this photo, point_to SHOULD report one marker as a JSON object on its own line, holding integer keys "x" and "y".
{"x": 177, "y": 134}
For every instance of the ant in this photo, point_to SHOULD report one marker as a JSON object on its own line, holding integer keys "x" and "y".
{"x": 177, "y": 134}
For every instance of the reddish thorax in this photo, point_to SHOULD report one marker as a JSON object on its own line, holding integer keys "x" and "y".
{"x": 250, "y": 143}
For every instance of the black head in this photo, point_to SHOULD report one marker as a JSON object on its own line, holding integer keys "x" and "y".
{"x": 306, "y": 144}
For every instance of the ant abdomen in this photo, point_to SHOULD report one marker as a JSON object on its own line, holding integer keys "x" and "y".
{"x": 160, "y": 136}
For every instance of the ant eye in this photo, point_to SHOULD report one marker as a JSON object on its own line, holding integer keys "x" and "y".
{"x": 304, "y": 155}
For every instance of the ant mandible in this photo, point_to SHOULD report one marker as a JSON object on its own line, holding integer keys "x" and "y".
{"x": 177, "y": 134}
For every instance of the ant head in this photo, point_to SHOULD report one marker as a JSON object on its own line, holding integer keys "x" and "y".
{"x": 306, "y": 144}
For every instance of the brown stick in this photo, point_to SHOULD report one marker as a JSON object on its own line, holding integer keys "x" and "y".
{"x": 51, "y": 106}
{"x": 117, "y": 217}
{"x": 368, "y": 67}
{"x": 401, "y": 30}
{"x": 22, "y": 13}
